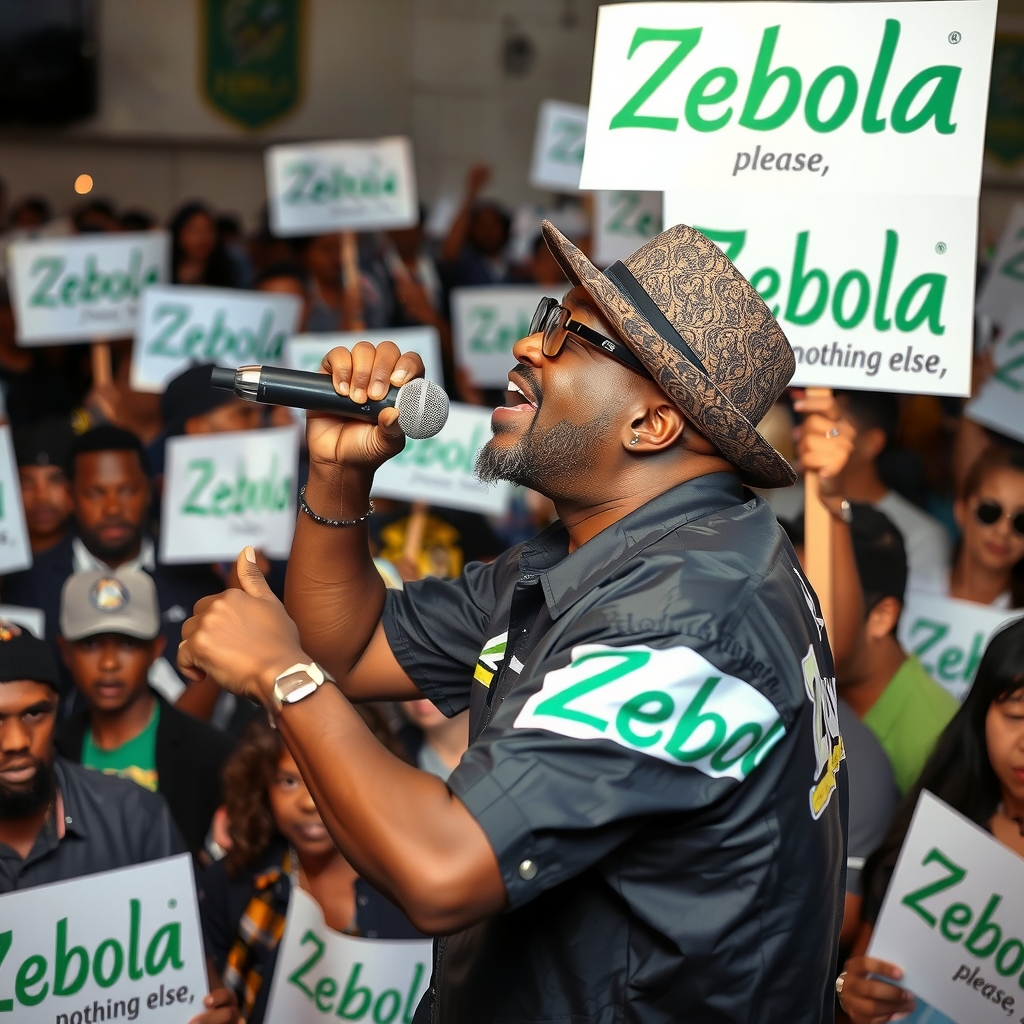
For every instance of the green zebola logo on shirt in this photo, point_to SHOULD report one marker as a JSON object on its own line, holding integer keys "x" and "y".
{"x": 671, "y": 704}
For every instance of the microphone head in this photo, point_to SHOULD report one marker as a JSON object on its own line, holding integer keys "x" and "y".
{"x": 422, "y": 408}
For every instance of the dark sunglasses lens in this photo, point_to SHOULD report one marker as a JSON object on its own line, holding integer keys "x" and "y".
{"x": 989, "y": 512}
{"x": 541, "y": 315}
{"x": 1018, "y": 523}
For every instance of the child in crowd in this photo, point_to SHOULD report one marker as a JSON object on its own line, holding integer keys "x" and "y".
{"x": 978, "y": 769}
{"x": 279, "y": 840}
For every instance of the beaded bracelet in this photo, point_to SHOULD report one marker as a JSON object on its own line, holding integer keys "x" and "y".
{"x": 329, "y": 522}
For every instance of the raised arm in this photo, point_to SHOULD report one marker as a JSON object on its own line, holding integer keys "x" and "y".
{"x": 332, "y": 589}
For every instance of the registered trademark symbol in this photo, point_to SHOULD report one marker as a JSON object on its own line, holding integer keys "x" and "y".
{"x": 172, "y": 903}
{"x": 940, "y": 247}
{"x": 955, "y": 37}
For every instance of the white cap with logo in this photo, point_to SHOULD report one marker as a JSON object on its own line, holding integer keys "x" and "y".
{"x": 109, "y": 602}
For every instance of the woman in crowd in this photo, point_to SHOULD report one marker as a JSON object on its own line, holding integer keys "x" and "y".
{"x": 198, "y": 255}
{"x": 978, "y": 769}
{"x": 990, "y": 513}
{"x": 278, "y": 840}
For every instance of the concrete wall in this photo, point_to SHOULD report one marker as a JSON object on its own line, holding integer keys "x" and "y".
{"x": 428, "y": 68}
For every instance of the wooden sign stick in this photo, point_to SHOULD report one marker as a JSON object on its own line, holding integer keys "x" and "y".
{"x": 102, "y": 366}
{"x": 414, "y": 531}
{"x": 818, "y": 535}
{"x": 353, "y": 319}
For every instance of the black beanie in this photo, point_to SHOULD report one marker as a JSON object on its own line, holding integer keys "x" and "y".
{"x": 190, "y": 394}
{"x": 23, "y": 656}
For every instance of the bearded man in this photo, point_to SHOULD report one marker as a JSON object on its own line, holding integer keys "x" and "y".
{"x": 648, "y": 823}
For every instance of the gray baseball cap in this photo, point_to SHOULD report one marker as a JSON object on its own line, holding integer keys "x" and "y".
{"x": 109, "y": 602}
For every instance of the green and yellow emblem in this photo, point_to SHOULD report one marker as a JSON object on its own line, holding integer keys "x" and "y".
{"x": 252, "y": 61}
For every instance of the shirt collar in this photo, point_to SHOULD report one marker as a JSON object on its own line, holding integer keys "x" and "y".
{"x": 83, "y": 560}
{"x": 69, "y": 804}
{"x": 566, "y": 578}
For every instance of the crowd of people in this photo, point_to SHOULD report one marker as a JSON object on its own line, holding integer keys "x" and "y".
{"x": 100, "y": 736}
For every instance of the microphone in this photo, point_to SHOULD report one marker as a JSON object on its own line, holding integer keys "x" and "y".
{"x": 422, "y": 405}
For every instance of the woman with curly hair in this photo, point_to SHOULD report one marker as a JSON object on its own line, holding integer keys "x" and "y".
{"x": 279, "y": 840}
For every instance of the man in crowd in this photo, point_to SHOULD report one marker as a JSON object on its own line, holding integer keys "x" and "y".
{"x": 874, "y": 415}
{"x": 58, "y": 820}
{"x": 888, "y": 689}
{"x": 42, "y": 453}
{"x": 110, "y": 638}
{"x": 111, "y": 495}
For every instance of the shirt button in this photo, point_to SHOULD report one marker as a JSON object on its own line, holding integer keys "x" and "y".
{"x": 362, "y": 901}
{"x": 527, "y": 870}
{"x": 67, "y": 820}
{"x": 371, "y": 935}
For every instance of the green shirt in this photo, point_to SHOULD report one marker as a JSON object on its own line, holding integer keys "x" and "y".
{"x": 908, "y": 718}
{"x": 135, "y": 759}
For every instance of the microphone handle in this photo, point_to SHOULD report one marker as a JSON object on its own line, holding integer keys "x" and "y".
{"x": 300, "y": 389}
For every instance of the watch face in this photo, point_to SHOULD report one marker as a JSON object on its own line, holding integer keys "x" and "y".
{"x": 295, "y": 686}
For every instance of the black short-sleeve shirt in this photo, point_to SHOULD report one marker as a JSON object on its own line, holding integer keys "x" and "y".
{"x": 655, "y": 758}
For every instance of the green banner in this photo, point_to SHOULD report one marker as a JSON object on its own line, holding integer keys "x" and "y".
{"x": 252, "y": 60}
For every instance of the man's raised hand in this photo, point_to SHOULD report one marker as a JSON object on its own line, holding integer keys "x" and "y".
{"x": 364, "y": 373}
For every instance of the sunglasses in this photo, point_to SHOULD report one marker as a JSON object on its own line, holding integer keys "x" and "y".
{"x": 990, "y": 512}
{"x": 555, "y": 322}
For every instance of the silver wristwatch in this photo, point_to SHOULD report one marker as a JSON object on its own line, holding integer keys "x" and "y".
{"x": 298, "y": 682}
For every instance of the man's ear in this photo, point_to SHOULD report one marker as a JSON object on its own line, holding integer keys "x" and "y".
{"x": 656, "y": 427}
{"x": 873, "y": 442}
{"x": 959, "y": 511}
{"x": 883, "y": 617}
{"x": 65, "y": 652}
{"x": 159, "y": 646}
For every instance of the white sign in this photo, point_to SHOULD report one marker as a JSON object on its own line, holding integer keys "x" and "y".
{"x": 115, "y": 945}
{"x": 322, "y": 974}
{"x": 77, "y": 289}
{"x": 623, "y": 221}
{"x": 953, "y": 918}
{"x": 32, "y": 619}
{"x": 15, "y": 550}
{"x": 558, "y": 146}
{"x": 179, "y": 325}
{"x": 949, "y": 636}
{"x": 306, "y": 351}
{"x": 877, "y": 98}
{"x": 1003, "y": 289}
{"x": 439, "y": 469}
{"x": 337, "y": 186}
{"x": 486, "y": 323}
{"x": 873, "y": 292}
{"x": 1000, "y": 403}
{"x": 223, "y": 491}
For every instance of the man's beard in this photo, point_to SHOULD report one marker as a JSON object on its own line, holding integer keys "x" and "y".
{"x": 545, "y": 462}
{"x": 112, "y": 554}
{"x": 16, "y": 804}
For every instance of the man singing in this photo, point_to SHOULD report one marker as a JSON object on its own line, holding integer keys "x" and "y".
{"x": 648, "y": 823}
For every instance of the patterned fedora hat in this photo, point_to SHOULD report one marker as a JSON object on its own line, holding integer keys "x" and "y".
{"x": 703, "y": 333}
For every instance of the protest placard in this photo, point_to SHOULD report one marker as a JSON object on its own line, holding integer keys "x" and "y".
{"x": 953, "y": 918}
{"x": 306, "y": 351}
{"x": 89, "y": 286}
{"x": 873, "y": 292}
{"x": 15, "y": 550}
{"x": 623, "y": 221}
{"x": 439, "y": 470}
{"x": 879, "y": 98}
{"x": 322, "y": 973}
{"x": 32, "y": 619}
{"x": 357, "y": 185}
{"x": 223, "y": 491}
{"x": 179, "y": 325}
{"x": 486, "y": 323}
{"x": 949, "y": 636}
{"x": 1003, "y": 288}
{"x": 1000, "y": 402}
{"x": 115, "y": 945}
{"x": 558, "y": 146}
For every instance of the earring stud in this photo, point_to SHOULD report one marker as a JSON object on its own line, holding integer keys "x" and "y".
{"x": 636, "y": 439}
